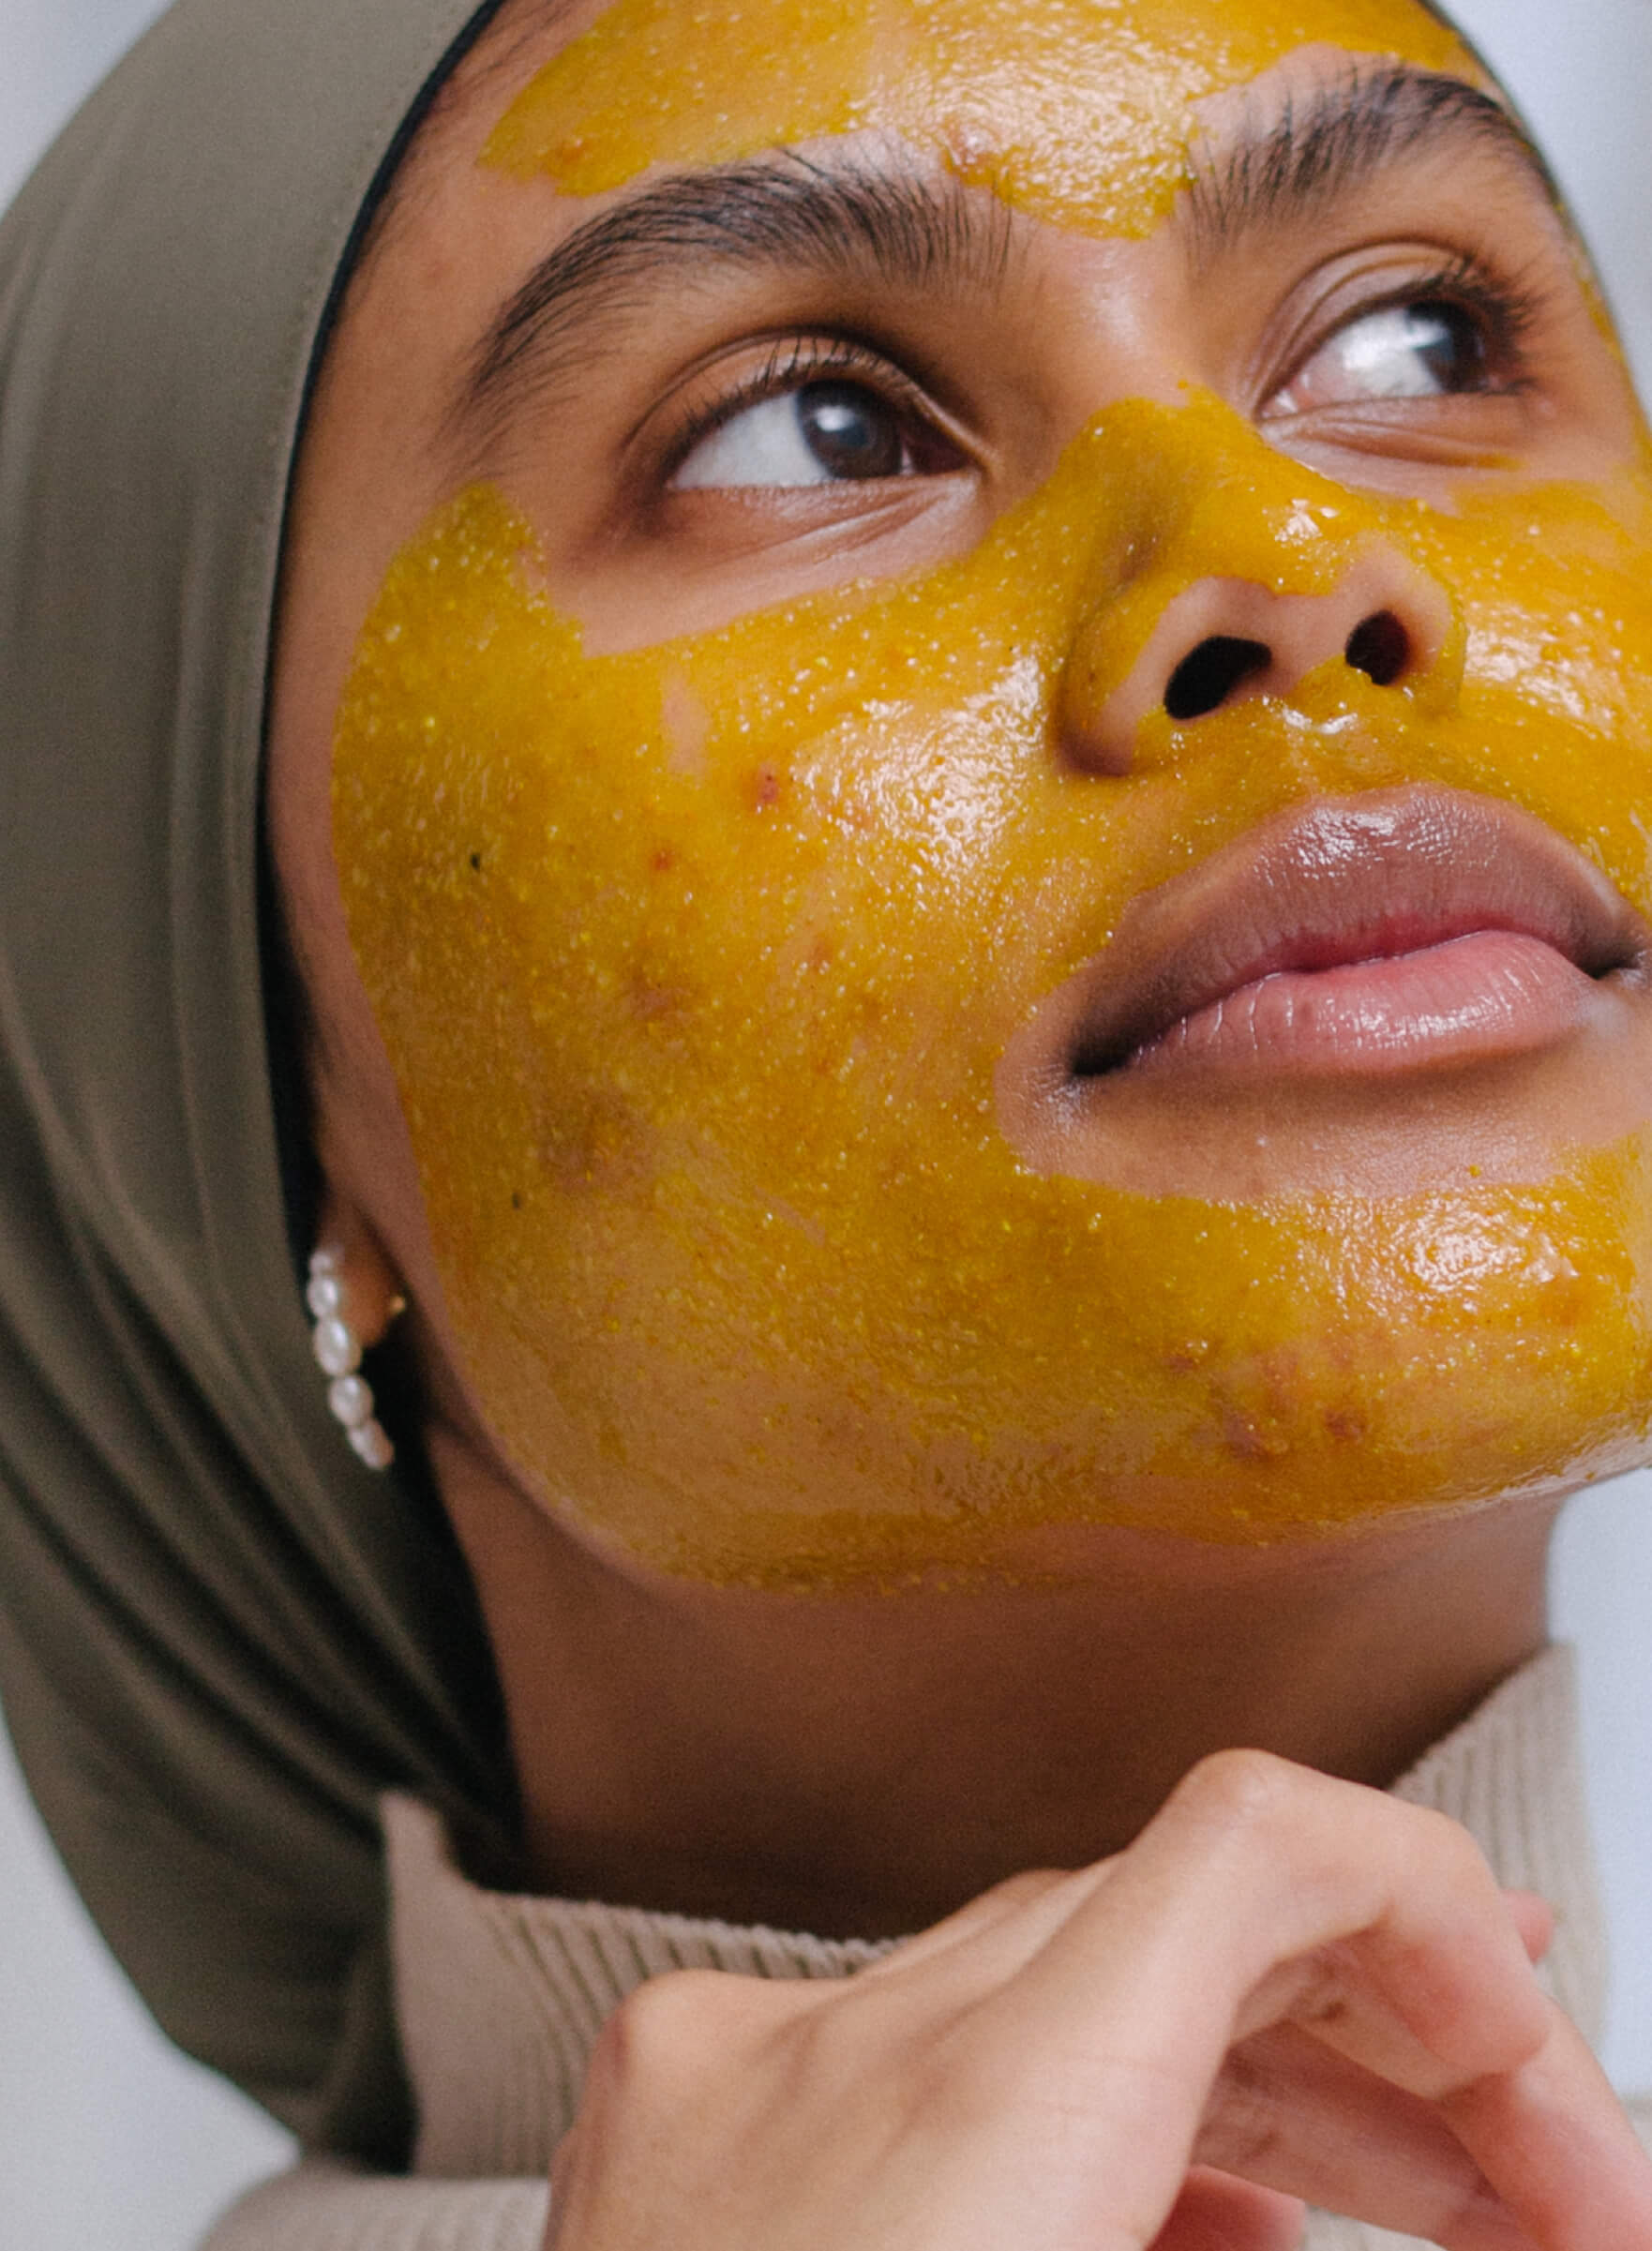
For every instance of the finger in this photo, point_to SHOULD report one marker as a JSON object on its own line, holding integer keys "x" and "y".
{"x": 1290, "y": 2114}
{"x": 1215, "y": 2213}
{"x": 1548, "y": 2135}
{"x": 1554, "y": 2142}
{"x": 1550, "y": 2143}
{"x": 1533, "y": 1918}
{"x": 1262, "y": 1889}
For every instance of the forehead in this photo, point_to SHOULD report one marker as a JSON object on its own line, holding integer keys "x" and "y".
{"x": 1076, "y": 110}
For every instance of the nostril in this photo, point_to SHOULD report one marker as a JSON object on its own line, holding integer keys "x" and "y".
{"x": 1380, "y": 648}
{"x": 1203, "y": 681}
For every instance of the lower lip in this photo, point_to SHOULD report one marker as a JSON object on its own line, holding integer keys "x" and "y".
{"x": 1470, "y": 1000}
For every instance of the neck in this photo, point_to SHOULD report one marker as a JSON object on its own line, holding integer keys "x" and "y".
{"x": 863, "y": 1765}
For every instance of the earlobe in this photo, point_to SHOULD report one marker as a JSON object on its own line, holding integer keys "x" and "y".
{"x": 372, "y": 1293}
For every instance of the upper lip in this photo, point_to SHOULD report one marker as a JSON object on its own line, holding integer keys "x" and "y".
{"x": 1341, "y": 880}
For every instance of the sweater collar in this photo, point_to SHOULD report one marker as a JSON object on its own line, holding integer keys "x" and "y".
{"x": 501, "y": 1996}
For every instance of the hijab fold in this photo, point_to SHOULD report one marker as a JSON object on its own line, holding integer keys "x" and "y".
{"x": 220, "y": 1638}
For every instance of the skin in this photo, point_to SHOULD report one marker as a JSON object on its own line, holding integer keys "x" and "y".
{"x": 769, "y": 902}
{"x": 992, "y": 1550}
{"x": 1386, "y": 1987}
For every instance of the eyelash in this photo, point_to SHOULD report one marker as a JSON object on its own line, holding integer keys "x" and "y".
{"x": 794, "y": 363}
{"x": 1506, "y": 310}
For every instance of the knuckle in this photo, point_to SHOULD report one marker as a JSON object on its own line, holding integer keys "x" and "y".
{"x": 1026, "y": 1889}
{"x": 658, "y": 2034}
{"x": 1458, "y": 1854}
{"x": 1444, "y": 1861}
{"x": 1243, "y": 2131}
{"x": 1323, "y": 2004}
{"x": 1242, "y": 1791}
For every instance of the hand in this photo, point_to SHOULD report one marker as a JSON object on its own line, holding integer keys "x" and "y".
{"x": 1287, "y": 1988}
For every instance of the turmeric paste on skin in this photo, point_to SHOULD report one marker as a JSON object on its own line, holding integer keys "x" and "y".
{"x": 696, "y": 961}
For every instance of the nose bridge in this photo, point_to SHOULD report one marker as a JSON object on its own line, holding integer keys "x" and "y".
{"x": 1246, "y": 571}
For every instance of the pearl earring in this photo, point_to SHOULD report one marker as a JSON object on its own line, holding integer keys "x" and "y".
{"x": 338, "y": 1352}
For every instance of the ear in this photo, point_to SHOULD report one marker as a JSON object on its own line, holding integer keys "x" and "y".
{"x": 372, "y": 1290}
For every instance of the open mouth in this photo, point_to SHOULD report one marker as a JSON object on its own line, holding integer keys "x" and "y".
{"x": 1410, "y": 930}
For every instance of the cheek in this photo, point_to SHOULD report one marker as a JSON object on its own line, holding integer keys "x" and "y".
{"x": 694, "y": 966}
{"x": 1558, "y": 704}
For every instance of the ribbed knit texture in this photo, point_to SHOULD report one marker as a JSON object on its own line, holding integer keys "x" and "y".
{"x": 501, "y": 1996}
{"x": 328, "y": 2206}
{"x": 1513, "y": 1776}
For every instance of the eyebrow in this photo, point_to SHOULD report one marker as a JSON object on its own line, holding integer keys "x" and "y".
{"x": 783, "y": 212}
{"x": 1344, "y": 137}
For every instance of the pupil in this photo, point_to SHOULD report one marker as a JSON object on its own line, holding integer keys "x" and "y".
{"x": 849, "y": 431}
{"x": 1450, "y": 345}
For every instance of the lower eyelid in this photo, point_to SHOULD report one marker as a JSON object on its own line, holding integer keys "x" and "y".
{"x": 1488, "y": 431}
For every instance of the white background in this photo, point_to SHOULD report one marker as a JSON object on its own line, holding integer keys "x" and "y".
{"x": 109, "y": 2140}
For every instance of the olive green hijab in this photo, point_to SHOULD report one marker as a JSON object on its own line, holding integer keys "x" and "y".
{"x": 220, "y": 1637}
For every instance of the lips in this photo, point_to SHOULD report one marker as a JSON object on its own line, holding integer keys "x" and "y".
{"x": 1492, "y": 992}
{"x": 1406, "y": 930}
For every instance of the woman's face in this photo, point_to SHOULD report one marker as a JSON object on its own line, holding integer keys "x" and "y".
{"x": 962, "y": 764}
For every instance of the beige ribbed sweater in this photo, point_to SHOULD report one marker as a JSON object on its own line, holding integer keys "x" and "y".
{"x": 500, "y": 1998}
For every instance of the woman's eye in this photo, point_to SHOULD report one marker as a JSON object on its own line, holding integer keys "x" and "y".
{"x": 821, "y": 433}
{"x": 1430, "y": 349}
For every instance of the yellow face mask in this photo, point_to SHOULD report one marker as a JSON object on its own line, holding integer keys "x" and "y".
{"x": 1076, "y": 110}
{"x": 696, "y": 963}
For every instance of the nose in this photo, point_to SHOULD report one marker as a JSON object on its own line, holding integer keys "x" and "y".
{"x": 1223, "y": 641}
